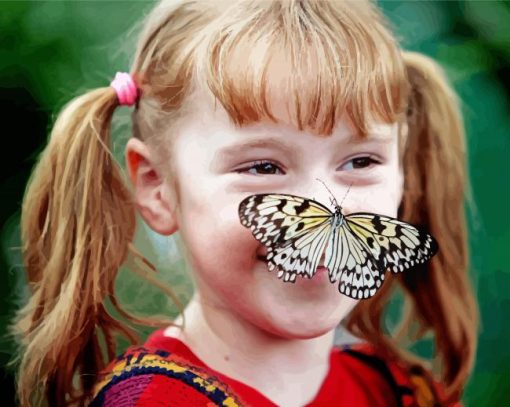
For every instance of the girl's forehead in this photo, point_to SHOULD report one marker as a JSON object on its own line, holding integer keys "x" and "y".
{"x": 208, "y": 111}
{"x": 215, "y": 120}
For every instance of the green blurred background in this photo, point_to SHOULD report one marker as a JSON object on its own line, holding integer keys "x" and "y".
{"x": 53, "y": 51}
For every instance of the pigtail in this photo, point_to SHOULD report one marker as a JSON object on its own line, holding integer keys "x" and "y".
{"x": 436, "y": 171}
{"x": 77, "y": 223}
{"x": 439, "y": 294}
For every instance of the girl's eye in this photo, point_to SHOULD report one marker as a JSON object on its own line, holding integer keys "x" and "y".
{"x": 262, "y": 167}
{"x": 359, "y": 163}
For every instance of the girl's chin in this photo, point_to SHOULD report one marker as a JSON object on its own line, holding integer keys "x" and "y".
{"x": 303, "y": 330}
{"x": 290, "y": 319}
{"x": 303, "y": 309}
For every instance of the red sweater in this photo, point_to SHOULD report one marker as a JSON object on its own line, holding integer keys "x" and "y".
{"x": 165, "y": 372}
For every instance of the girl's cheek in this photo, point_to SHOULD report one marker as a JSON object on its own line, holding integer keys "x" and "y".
{"x": 224, "y": 240}
{"x": 383, "y": 199}
{"x": 239, "y": 237}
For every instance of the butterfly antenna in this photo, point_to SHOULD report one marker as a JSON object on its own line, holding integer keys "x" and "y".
{"x": 345, "y": 196}
{"x": 334, "y": 199}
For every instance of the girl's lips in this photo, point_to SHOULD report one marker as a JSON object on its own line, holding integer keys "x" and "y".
{"x": 262, "y": 257}
{"x": 321, "y": 269}
{"x": 321, "y": 274}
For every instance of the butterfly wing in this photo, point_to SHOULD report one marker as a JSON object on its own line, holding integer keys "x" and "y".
{"x": 300, "y": 256}
{"x": 293, "y": 228}
{"x": 396, "y": 244}
{"x": 349, "y": 261}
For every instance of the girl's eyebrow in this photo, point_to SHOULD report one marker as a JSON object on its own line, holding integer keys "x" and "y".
{"x": 376, "y": 138}
{"x": 234, "y": 150}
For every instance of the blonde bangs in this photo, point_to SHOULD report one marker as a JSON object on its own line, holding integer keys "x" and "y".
{"x": 321, "y": 59}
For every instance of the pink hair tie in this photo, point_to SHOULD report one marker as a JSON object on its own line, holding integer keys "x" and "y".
{"x": 125, "y": 87}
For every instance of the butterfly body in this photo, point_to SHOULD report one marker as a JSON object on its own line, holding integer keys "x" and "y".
{"x": 338, "y": 217}
{"x": 357, "y": 248}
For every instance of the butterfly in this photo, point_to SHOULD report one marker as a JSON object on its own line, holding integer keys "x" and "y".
{"x": 359, "y": 247}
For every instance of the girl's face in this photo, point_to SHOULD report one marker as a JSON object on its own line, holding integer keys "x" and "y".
{"x": 217, "y": 166}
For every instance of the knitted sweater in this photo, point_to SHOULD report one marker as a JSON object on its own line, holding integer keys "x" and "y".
{"x": 165, "y": 372}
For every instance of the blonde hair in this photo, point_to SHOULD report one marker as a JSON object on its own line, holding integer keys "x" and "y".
{"x": 78, "y": 214}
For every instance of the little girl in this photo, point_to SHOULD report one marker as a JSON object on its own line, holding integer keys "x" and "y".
{"x": 234, "y": 98}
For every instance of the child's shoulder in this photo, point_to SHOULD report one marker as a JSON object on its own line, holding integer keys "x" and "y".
{"x": 411, "y": 384}
{"x": 144, "y": 376}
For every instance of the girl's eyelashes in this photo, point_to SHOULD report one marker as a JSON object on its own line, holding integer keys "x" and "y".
{"x": 359, "y": 163}
{"x": 262, "y": 167}
{"x": 267, "y": 167}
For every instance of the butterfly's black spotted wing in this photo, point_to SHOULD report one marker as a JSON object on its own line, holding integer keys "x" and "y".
{"x": 295, "y": 231}
{"x": 396, "y": 244}
{"x": 359, "y": 249}
{"x": 348, "y": 260}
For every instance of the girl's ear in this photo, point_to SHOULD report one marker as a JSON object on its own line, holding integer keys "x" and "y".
{"x": 155, "y": 200}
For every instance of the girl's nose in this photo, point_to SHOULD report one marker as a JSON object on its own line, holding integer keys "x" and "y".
{"x": 326, "y": 195}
